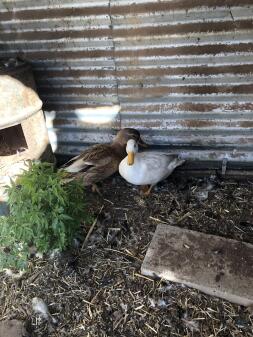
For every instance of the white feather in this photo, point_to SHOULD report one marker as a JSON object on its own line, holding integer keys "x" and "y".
{"x": 40, "y": 307}
{"x": 149, "y": 167}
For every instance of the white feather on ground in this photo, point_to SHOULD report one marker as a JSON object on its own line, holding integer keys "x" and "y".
{"x": 41, "y": 308}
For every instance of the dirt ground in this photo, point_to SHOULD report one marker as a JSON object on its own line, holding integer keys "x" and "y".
{"x": 97, "y": 289}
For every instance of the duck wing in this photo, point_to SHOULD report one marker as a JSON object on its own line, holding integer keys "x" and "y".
{"x": 158, "y": 163}
{"x": 174, "y": 161}
{"x": 97, "y": 155}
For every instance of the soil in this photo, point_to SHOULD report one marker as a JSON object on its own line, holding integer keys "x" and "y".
{"x": 96, "y": 289}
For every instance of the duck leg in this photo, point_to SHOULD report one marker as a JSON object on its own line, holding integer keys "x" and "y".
{"x": 145, "y": 190}
{"x": 149, "y": 190}
{"x": 95, "y": 188}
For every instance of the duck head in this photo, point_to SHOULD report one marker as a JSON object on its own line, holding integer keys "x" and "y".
{"x": 124, "y": 135}
{"x": 131, "y": 149}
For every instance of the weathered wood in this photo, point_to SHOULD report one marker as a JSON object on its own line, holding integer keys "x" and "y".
{"x": 215, "y": 265}
{"x": 12, "y": 328}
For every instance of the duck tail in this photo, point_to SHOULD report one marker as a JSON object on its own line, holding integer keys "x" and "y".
{"x": 181, "y": 159}
{"x": 176, "y": 159}
{"x": 180, "y": 162}
{"x": 74, "y": 165}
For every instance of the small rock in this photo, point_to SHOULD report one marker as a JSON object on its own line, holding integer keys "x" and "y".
{"x": 12, "y": 328}
{"x": 166, "y": 288}
{"x": 152, "y": 302}
{"x": 55, "y": 254}
{"x": 191, "y": 324}
{"x": 162, "y": 304}
{"x": 201, "y": 195}
{"x": 15, "y": 276}
{"x": 40, "y": 307}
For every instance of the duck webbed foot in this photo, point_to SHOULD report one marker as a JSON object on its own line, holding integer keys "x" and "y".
{"x": 145, "y": 190}
{"x": 95, "y": 189}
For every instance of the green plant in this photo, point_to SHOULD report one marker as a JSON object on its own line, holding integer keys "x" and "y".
{"x": 45, "y": 212}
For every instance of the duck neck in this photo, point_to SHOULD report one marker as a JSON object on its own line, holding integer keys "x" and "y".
{"x": 119, "y": 149}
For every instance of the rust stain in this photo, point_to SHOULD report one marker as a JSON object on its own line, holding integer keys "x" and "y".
{"x": 246, "y": 124}
{"x": 143, "y": 124}
{"x": 184, "y": 28}
{"x": 186, "y": 71}
{"x": 200, "y": 89}
{"x": 117, "y": 10}
{"x": 212, "y": 49}
{"x": 192, "y": 123}
{"x": 190, "y": 107}
{"x": 138, "y": 74}
{"x": 200, "y": 123}
{"x": 76, "y": 73}
{"x": 54, "y": 13}
{"x": 174, "y": 5}
{"x": 76, "y": 91}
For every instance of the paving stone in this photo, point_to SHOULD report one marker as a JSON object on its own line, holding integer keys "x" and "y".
{"x": 12, "y": 328}
{"x": 215, "y": 265}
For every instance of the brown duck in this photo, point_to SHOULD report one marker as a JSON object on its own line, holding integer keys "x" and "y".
{"x": 101, "y": 161}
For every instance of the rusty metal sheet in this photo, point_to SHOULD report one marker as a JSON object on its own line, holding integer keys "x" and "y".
{"x": 185, "y": 74}
{"x": 180, "y": 71}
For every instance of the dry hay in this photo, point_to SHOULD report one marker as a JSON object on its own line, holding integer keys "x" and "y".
{"x": 98, "y": 290}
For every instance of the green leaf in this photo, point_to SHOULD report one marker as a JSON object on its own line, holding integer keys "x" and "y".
{"x": 43, "y": 212}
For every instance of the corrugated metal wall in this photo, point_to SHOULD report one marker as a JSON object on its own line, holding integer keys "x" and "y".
{"x": 181, "y": 71}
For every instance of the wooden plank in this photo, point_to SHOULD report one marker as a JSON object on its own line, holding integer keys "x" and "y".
{"x": 215, "y": 265}
{"x": 12, "y": 328}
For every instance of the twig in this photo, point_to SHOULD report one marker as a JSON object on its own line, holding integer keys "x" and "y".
{"x": 158, "y": 220}
{"x": 91, "y": 228}
{"x": 150, "y": 327}
{"x": 145, "y": 277}
{"x": 186, "y": 215}
{"x": 118, "y": 251}
{"x": 87, "y": 302}
{"x": 95, "y": 297}
{"x": 110, "y": 202}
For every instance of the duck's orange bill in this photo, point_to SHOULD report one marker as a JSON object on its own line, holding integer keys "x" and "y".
{"x": 130, "y": 158}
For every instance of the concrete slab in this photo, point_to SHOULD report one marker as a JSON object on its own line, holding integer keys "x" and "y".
{"x": 212, "y": 264}
{"x": 12, "y": 328}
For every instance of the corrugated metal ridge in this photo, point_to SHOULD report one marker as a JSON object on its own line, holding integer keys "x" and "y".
{"x": 157, "y": 29}
{"x": 179, "y": 125}
{"x": 130, "y": 34}
{"x": 189, "y": 98}
{"x": 16, "y": 5}
{"x": 103, "y": 48}
{"x": 221, "y": 14}
{"x": 201, "y": 14}
{"x": 172, "y": 81}
{"x": 138, "y": 20}
{"x": 197, "y": 70}
{"x": 97, "y": 8}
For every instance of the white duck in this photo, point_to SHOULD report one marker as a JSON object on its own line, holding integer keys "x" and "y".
{"x": 147, "y": 168}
